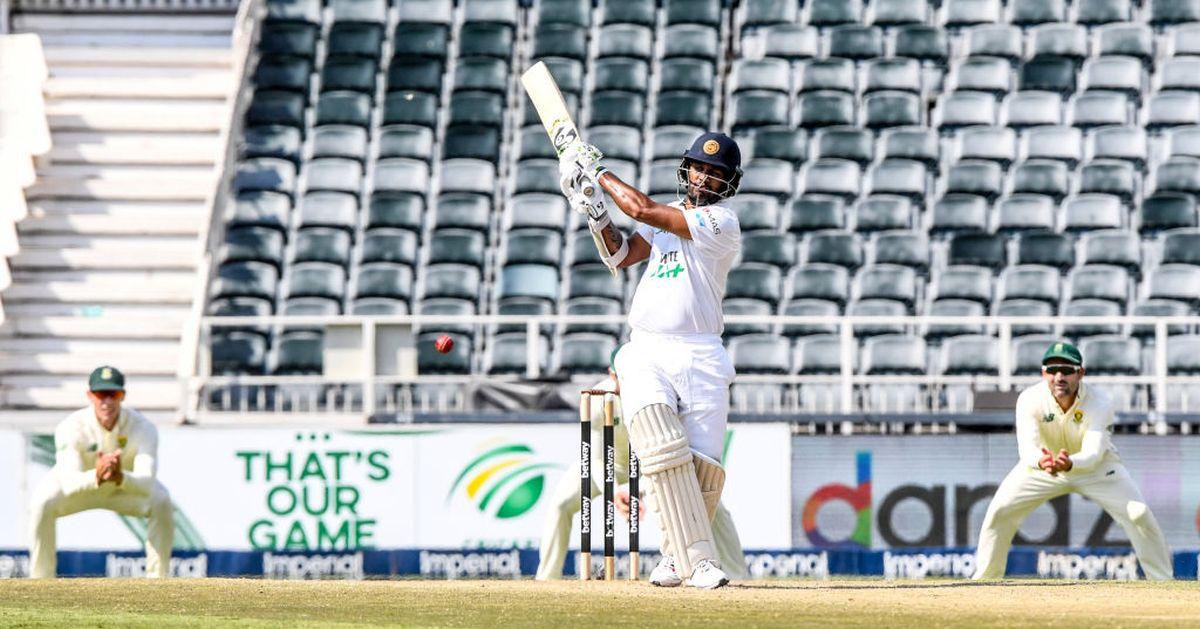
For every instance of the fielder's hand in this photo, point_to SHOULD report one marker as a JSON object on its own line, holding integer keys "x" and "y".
{"x": 108, "y": 468}
{"x": 1062, "y": 461}
{"x": 1046, "y": 463}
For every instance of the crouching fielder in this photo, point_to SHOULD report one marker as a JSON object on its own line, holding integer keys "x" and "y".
{"x": 104, "y": 459}
{"x": 674, "y": 372}
{"x": 565, "y": 500}
{"x": 1064, "y": 444}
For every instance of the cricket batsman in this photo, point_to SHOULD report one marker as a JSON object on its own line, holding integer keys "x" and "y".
{"x": 1065, "y": 445}
{"x": 557, "y": 529}
{"x": 105, "y": 458}
{"x": 674, "y": 372}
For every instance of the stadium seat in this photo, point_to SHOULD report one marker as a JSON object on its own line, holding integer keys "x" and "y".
{"x": 481, "y": 73}
{"x": 845, "y": 142}
{"x": 1027, "y": 353}
{"x": 1025, "y": 212}
{"x": 1026, "y": 109}
{"x": 882, "y": 212}
{"x": 458, "y": 281}
{"x": 472, "y": 142}
{"x": 507, "y": 353}
{"x": 1168, "y": 12}
{"x": 279, "y": 141}
{"x": 523, "y": 307}
{"x": 1112, "y": 355}
{"x": 756, "y": 212}
{"x": 687, "y": 75}
{"x": 706, "y": 12}
{"x": 457, "y": 246}
{"x": 468, "y": 175}
{"x": 378, "y": 306}
{"x": 284, "y": 39}
{"x": 568, "y": 74}
{"x": 1098, "y": 109}
{"x": 617, "y": 142}
{"x": 1173, "y": 109}
{"x": 828, "y": 13}
{"x": 1184, "y": 141}
{"x": 1046, "y": 249}
{"x": 1100, "y": 281}
{"x": 754, "y": 281}
{"x": 407, "y": 107}
{"x": 1124, "y": 143}
{"x": 980, "y": 178}
{"x": 246, "y": 243}
{"x": 259, "y": 208}
{"x": 348, "y": 142}
{"x": 390, "y": 245}
{"x": 1091, "y": 308}
{"x": 782, "y": 143}
{"x": 888, "y": 282}
{"x": 420, "y": 40}
{"x": 546, "y": 211}
{"x": 964, "y": 13}
{"x": 682, "y": 108}
{"x": 283, "y": 73}
{"x": 533, "y": 246}
{"x": 1178, "y": 282}
{"x": 1063, "y": 144}
{"x": 445, "y": 307}
{"x": 1027, "y": 308}
{"x": 791, "y": 41}
{"x": 640, "y": 12}
{"x": 335, "y": 174}
{"x": 1041, "y": 176}
{"x": 1039, "y": 283}
{"x": 691, "y": 40}
{"x": 1086, "y": 212}
{"x": 767, "y": 176}
{"x": 1165, "y": 211}
{"x": 984, "y": 74}
{"x": 758, "y": 109}
{"x": 778, "y": 250}
{"x": 1179, "y": 246}
{"x": 476, "y": 108}
{"x": 1178, "y": 174}
{"x": 396, "y": 209}
{"x": 1160, "y": 308}
{"x": 916, "y": 143}
{"x": 894, "y": 354}
{"x": 299, "y": 353}
{"x": 1114, "y": 74}
{"x": 430, "y": 361}
{"x": 836, "y": 177}
{"x": 529, "y": 280}
{"x": 753, "y": 307}
{"x": 810, "y": 308}
{"x": 902, "y": 247}
{"x": 855, "y": 41}
{"x": 594, "y": 306}
{"x": 406, "y": 141}
{"x": 953, "y": 308}
{"x": 1129, "y": 40}
{"x": 761, "y": 74}
{"x": 827, "y": 282}
{"x": 986, "y": 250}
{"x": 317, "y": 279}
{"x": 831, "y": 74}
{"x": 994, "y": 144}
{"x": 888, "y": 13}
{"x": 268, "y": 174}
{"x": 820, "y": 354}
{"x": 1185, "y": 40}
{"x": 384, "y": 279}
{"x": 1099, "y": 12}
{"x": 761, "y": 354}
{"x": 964, "y": 109}
{"x": 995, "y": 40}
{"x": 234, "y": 352}
{"x": 486, "y": 40}
{"x": 329, "y": 209}
{"x": 594, "y": 280}
{"x": 354, "y": 74}
{"x": 959, "y": 213}
{"x": 585, "y": 353}
{"x": 302, "y": 11}
{"x": 354, "y": 108}
{"x": 621, "y": 73}
{"x": 401, "y": 175}
{"x": 902, "y": 177}
{"x": 763, "y": 13}
{"x": 972, "y": 283}
{"x": 1109, "y": 177}
{"x": 815, "y": 212}
{"x": 970, "y": 355}
{"x": 327, "y": 244}
{"x": 560, "y": 40}
{"x": 834, "y": 247}
{"x": 892, "y": 109}
{"x": 924, "y": 43}
{"x": 618, "y": 108}
{"x": 1033, "y": 12}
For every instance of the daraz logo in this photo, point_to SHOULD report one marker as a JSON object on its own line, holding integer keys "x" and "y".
{"x": 504, "y": 481}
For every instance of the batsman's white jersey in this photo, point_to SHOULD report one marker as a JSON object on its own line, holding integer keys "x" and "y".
{"x": 1096, "y": 473}
{"x": 71, "y": 486}
{"x": 675, "y": 355}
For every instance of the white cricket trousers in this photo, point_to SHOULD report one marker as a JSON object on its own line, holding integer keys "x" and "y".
{"x": 1109, "y": 486}
{"x": 49, "y": 504}
{"x": 564, "y": 505}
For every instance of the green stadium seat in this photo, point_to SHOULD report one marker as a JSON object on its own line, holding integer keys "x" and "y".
{"x": 594, "y": 306}
{"x": 964, "y": 109}
{"x": 838, "y": 177}
{"x": 323, "y": 244}
{"x": 1039, "y": 283}
{"x": 390, "y": 245}
{"x": 560, "y": 40}
{"x": 271, "y": 107}
{"x": 1179, "y": 246}
{"x": 827, "y": 13}
{"x": 890, "y": 282}
{"x": 265, "y": 173}
{"x": 355, "y": 40}
{"x": 894, "y": 354}
{"x": 415, "y": 74}
{"x": 360, "y": 11}
{"x": 468, "y": 175}
{"x": 533, "y": 246}
{"x": 903, "y": 247}
{"x": 820, "y": 354}
{"x": 754, "y": 307}
{"x": 236, "y": 353}
{"x": 855, "y": 41}
{"x": 341, "y": 141}
{"x": 414, "y": 108}
{"x": 1087, "y": 212}
{"x": 761, "y": 74}
{"x": 1169, "y": 12}
{"x": 271, "y": 141}
{"x": 756, "y": 212}
{"x": 259, "y": 208}
{"x": 845, "y": 142}
{"x": 1027, "y": 308}
{"x": 1100, "y": 281}
{"x": 889, "y": 13}
{"x": 1100, "y": 109}
{"x": 615, "y": 142}
{"x": 810, "y": 308}
{"x": 892, "y": 109}
{"x": 427, "y": 11}
{"x": 953, "y": 308}
{"x": 537, "y": 175}
{"x": 445, "y": 307}
{"x": 830, "y": 74}
{"x": 670, "y": 142}
{"x": 877, "y": 308}
{"x": 1025, "y": 212}
{"x": 369, "y": 306}
{"x": 594, "y": 280}
{"x": 827, "y": 282}
{"x": 764, "y": 13}
{"x": 959, "y": 213}
{"x": 761, "y": 354}
{"x": 583, "y": 250}
{"x": 477, "y": 109}
{"x": 354, "y": 74}
{"x": 882, "y": 212}
{"x": 1110, "y": 177}
{"x": 472, "y": 142}
{"x": 618, "y": 108}
{"x": 970, "y": 355}
{"x": 507, "y": 353}
{"x": 403, "y": 210}
{"x": 768, "y": 176}
{"x": 384, "y": 279}
{"x": 290, "y": 74}
{"x": 1161, "y": 308}
{"x": 1099, "y": 12}
{"x": 826, "y": 109}
{"x": 585, "y": 353}
{"x": 775, "y": 249}
{"x": 482, "y": 73}
{"x": 486, "y": 40}
{"x": 463, "y": 211}
{"x": 759, "y": 109}
{"x": 310, "y": 306}
{"x": 329, "y": 209}
{"x": 1165, "y": 211}
{"x": 683, "y": 109}
{"x": 1091, "y": 308}
{"x": 401, "y": 175}
{"x": 691, "y": 40}
{"x": 793, "y": 42}
{"x": 577, "y": 12}
{"x": 491, "y": 12}
{"x": 977, "y": 249}
{"x": 815, "y": 212}
{"x": 408, "y": 141}
{"x": 298, "y": 353}
{"x": 755, "y": 281}
{"x": 421, "y": 40}
{"x": 705, "y": 12}
{"x": 781, "y": 143}
{"x": 640, "y": 12}
{"x": 1047, "y": 249}
{"x": 924, "y": 43}
{"x": 626, "y": 40}
{"x": 972, "y": 283}
{"x": 1178, "y": 282}
{"x": 621, "y": 74}
{"x": 431, "y": 362}
{"x": 349, "y": 108}
{"x": 1112, "y": 355}
{"x": 246, "y": 243}
{"x": 996, "y": 40}
{"x": 336, "y": 174}
{"x": 535, "y": 144}
{"x": 459, "y": 281}
{"x": 282, "y": 39}
{"x": 541, "y": 210}
{"x": 304, "y": 11}
{"x": 529, "y": 280}
{"x": 317, "y": 279}
{"x": 457, "y": 246}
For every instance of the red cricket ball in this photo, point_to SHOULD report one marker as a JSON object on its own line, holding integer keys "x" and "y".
{"x": 444, "y": 343}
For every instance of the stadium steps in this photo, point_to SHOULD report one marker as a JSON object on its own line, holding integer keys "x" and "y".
{"x": 106, "y": 270}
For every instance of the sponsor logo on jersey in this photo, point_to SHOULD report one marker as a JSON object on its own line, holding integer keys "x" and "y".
{"x": 669, "y": 266}
{"x": 715, "y": 229}
{"x": 1048, "y": 417}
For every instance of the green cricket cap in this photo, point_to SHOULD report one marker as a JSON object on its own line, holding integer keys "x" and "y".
{"x": 106, "y": 378}
{"x": 1065, "y": 351}
{"x": 612, "y": 358}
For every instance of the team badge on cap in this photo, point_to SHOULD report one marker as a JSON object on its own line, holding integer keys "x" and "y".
{"x": 711, "y": 147}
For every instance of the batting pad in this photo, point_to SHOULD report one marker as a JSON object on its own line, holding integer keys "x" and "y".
{"x": 711, "y": 477}
{"x": 666, "y": 460}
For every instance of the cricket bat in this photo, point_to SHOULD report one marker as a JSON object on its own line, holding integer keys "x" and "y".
{"x": 552, "y": 109}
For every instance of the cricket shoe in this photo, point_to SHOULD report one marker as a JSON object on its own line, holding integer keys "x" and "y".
{"x": 664, "y": 574}
{"x": 707, "y": 576}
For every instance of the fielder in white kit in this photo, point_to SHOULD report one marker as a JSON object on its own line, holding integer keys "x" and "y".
{"x": 674, "y": 372}
{"x": 1064, "y": 443}
{"x": 105, "y": 458}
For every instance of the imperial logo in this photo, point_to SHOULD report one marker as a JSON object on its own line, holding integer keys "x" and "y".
{"x": 504, "y": 481}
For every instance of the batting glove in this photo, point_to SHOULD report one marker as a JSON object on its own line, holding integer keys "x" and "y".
{"x": 585, "y": 157}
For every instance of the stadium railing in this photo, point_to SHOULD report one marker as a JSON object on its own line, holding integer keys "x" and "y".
{"x": 848, "y": 391}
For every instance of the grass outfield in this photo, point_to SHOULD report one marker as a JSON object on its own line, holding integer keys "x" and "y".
{"x": 246, "y": 602}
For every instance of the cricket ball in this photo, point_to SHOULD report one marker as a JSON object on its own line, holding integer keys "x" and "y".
{"x": 444, "y": 343}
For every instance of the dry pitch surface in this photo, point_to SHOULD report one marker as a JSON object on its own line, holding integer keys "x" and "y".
{"x": 246, "y": 602}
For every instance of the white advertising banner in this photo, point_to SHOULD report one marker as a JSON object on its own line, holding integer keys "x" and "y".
{"x": 461, "y": 486}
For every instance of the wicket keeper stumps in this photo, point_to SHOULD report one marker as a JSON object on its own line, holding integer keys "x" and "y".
{"x": 610, "y": 475}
